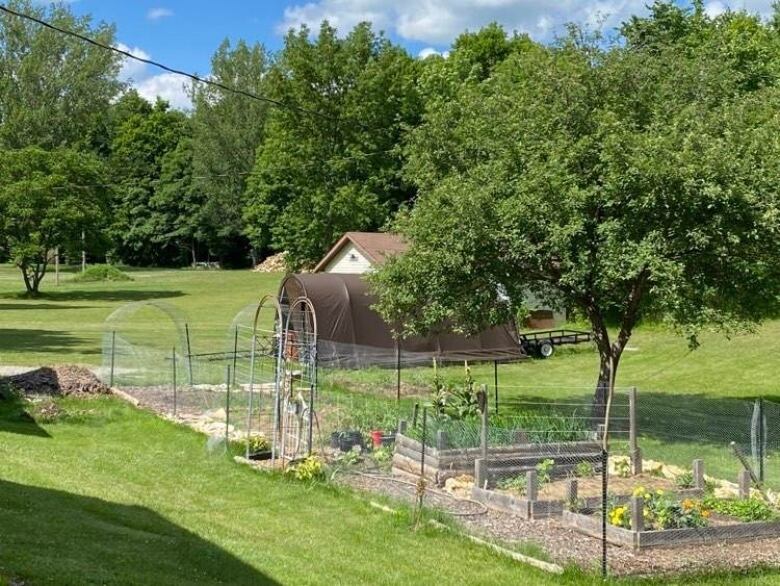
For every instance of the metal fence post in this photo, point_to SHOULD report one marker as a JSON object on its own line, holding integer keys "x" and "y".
{"x": 311, "y": 418}
{"x": 483, "y": 439}
{"x": 227, "y": 408}
{"x": 175, "y": 398}
{"x": 397, "y": 371}
{"x": 251, "y": 394}
{"x": 604, "y": 474}
{"x": 422, "y": 455}
{"x": 235, "y": 353}
{"x": 634, "y": 451}
{"x": 495, "y": 382}
{"x": 113, "y": 351}
{"x": 761, "y": 439}
{"x": 189, "y": 351}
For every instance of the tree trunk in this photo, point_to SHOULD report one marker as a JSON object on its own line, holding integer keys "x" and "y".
{"x": 194, "y": 255}
{"x": 603, "y": 385}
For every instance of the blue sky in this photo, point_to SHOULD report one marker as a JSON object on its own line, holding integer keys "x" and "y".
{"x": 185, "y": 33}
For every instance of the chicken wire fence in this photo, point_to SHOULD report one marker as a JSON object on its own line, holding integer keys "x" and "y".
{"x": 259, "y": 393}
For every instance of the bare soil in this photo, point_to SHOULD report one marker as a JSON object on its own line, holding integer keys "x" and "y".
{"x": 56, "y": 380}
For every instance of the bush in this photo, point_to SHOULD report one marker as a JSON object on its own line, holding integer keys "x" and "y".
{"x": 519, "y": 484}
{"x": 684, "y": 480}
{"x": 98, "y": 273}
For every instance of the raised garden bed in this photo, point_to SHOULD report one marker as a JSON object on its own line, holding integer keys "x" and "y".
{"x": 591, "y": 524}
{"x": 553, "y": 498}
{"x": 442, "y": 462}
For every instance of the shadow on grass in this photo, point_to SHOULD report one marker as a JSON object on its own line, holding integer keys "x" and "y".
{"x": 51, "y": 536}
{"x": 96, "y": 295}
{"x": 24, "y": 340}
{"x": 14, "y": 417}
{"x": 39, "y": 306}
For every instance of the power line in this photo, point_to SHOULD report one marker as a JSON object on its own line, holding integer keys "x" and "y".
{"x": 159, "y": 65}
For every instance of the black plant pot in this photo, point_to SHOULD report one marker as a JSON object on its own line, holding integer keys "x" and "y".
{"x": 260, "y": 455}
{"x": 388, "y": 439}
{"x": 346, "y": 440}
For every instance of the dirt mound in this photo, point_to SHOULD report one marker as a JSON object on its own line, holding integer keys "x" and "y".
{"x": 273, "y": 264}
{"x": 57, "y": 380}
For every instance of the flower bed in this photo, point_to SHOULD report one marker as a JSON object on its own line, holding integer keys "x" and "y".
{"x": 661, "y": 519}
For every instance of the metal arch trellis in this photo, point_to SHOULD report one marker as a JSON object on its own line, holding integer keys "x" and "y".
{"x": 294, "y": 417}
{"x": 265, "y": 348}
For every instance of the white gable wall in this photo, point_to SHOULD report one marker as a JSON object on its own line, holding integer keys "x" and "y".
{"x": 349, "y": 260}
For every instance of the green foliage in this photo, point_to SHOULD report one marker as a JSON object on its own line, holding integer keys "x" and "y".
{"x": 748, "y": 510}
{"x": 309, "y": 470}
{"x": 383, "y": 455}
{"x": 55, "y": 90}
{"x": 47, "y": 199}
{"x": 684, "y": 480}
{"x": 544, "y": 470}
{"x": 584, "y": 469}
{"x": 518, "y": 484}
{"x": 97, "y": 273}
{"x": 620, "y": 180}
{"x": 454, "y": 402}
{"x": 623, "y": 467}
{"x": 336, "y": 166}
{"x": 258, "y": 444}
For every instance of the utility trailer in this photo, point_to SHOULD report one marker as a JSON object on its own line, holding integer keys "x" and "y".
{"x": 542, "y": 344}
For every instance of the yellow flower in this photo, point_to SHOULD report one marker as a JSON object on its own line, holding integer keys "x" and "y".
{"x": 706, "y": 513}
{"x": 688, "y": 504}
{"x": 640, "y": 491}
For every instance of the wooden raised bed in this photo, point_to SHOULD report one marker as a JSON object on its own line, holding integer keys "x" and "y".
{"x": 442, "y": 462}
{"x": 591, "y": 525}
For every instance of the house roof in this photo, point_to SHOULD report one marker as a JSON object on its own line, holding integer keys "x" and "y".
{"x": 375, "y": 246}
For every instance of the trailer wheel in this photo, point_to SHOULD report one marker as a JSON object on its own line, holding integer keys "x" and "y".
{"x": 546, "y": 349}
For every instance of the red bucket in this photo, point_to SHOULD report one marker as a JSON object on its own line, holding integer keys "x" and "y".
{"x": 376, "y": 438}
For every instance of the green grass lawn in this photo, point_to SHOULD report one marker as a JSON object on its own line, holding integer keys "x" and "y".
{"x": 105, "y": 493}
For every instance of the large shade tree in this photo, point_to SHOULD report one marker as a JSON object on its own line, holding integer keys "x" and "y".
{"x": 48, "y": 199}
{"x": 626, "y": 180}
{"x": 330, "y": 160}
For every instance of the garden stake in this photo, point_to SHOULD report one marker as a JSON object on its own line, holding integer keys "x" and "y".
{"x": 311, "y": 417}
{"x": 495, "y": 382}
{"x": 761, "y": 440}
{"x": 420, "y": 487}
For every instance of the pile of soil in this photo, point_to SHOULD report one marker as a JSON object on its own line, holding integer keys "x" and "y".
{"x": 56, "y": 380}
{"x": 273, "y": 264}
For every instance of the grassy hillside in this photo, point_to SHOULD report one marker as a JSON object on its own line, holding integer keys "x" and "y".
{"x": 82, "y": 501}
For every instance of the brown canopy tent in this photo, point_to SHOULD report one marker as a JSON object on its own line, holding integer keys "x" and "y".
{"x": 352, "y": 335}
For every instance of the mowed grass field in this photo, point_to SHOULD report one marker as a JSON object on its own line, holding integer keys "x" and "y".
{"x": 66, "y": 324}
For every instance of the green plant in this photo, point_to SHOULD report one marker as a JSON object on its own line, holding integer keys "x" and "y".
{"x": 584, "y": 469}
{"x": 308, "y": 470}
{"x": 258, "y": 443}
{"x": 663, "y": 512}
{"x": 383, "y": 455}
{"x": 684, "y": 480}
{"x": 349, "y": 458}
{"x": 97, "y": 273}
{"x": 518, "y": 483}
{"x": 544, "y": 470}
{"x": 747, "y": 510}
{"x": 623, "y": 467}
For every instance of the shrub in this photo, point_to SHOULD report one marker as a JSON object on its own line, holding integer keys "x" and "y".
{"x": 258, "y": 443}
{"x": 98, "y": 273}
{"x": 544, "y": 470}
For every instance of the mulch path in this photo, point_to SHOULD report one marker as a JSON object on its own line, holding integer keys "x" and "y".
{"x": 56, "y": 380}
{"x": 566, "y": 546}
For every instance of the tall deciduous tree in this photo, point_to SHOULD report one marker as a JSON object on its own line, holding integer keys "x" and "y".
{"x": 55, "y": 90}
{"x": 139, "y": 147}
{"x": 637, "y": 179}
{"x": 228, "y": 129}
{"x": 330, "y": 161}
{"x": 47, "y": 199}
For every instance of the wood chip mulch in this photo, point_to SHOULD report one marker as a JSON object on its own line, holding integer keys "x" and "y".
{"x": 56, "y": 380}
{"x": 566, "y": 546}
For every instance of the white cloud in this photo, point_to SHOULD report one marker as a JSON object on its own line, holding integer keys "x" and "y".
{"x": 430, "y": 51}
{"x": 438, "y": 22}
{"x": 132, "y": 69}
{"x": 159, "y": 13}
{"x": 168, "y": 86}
